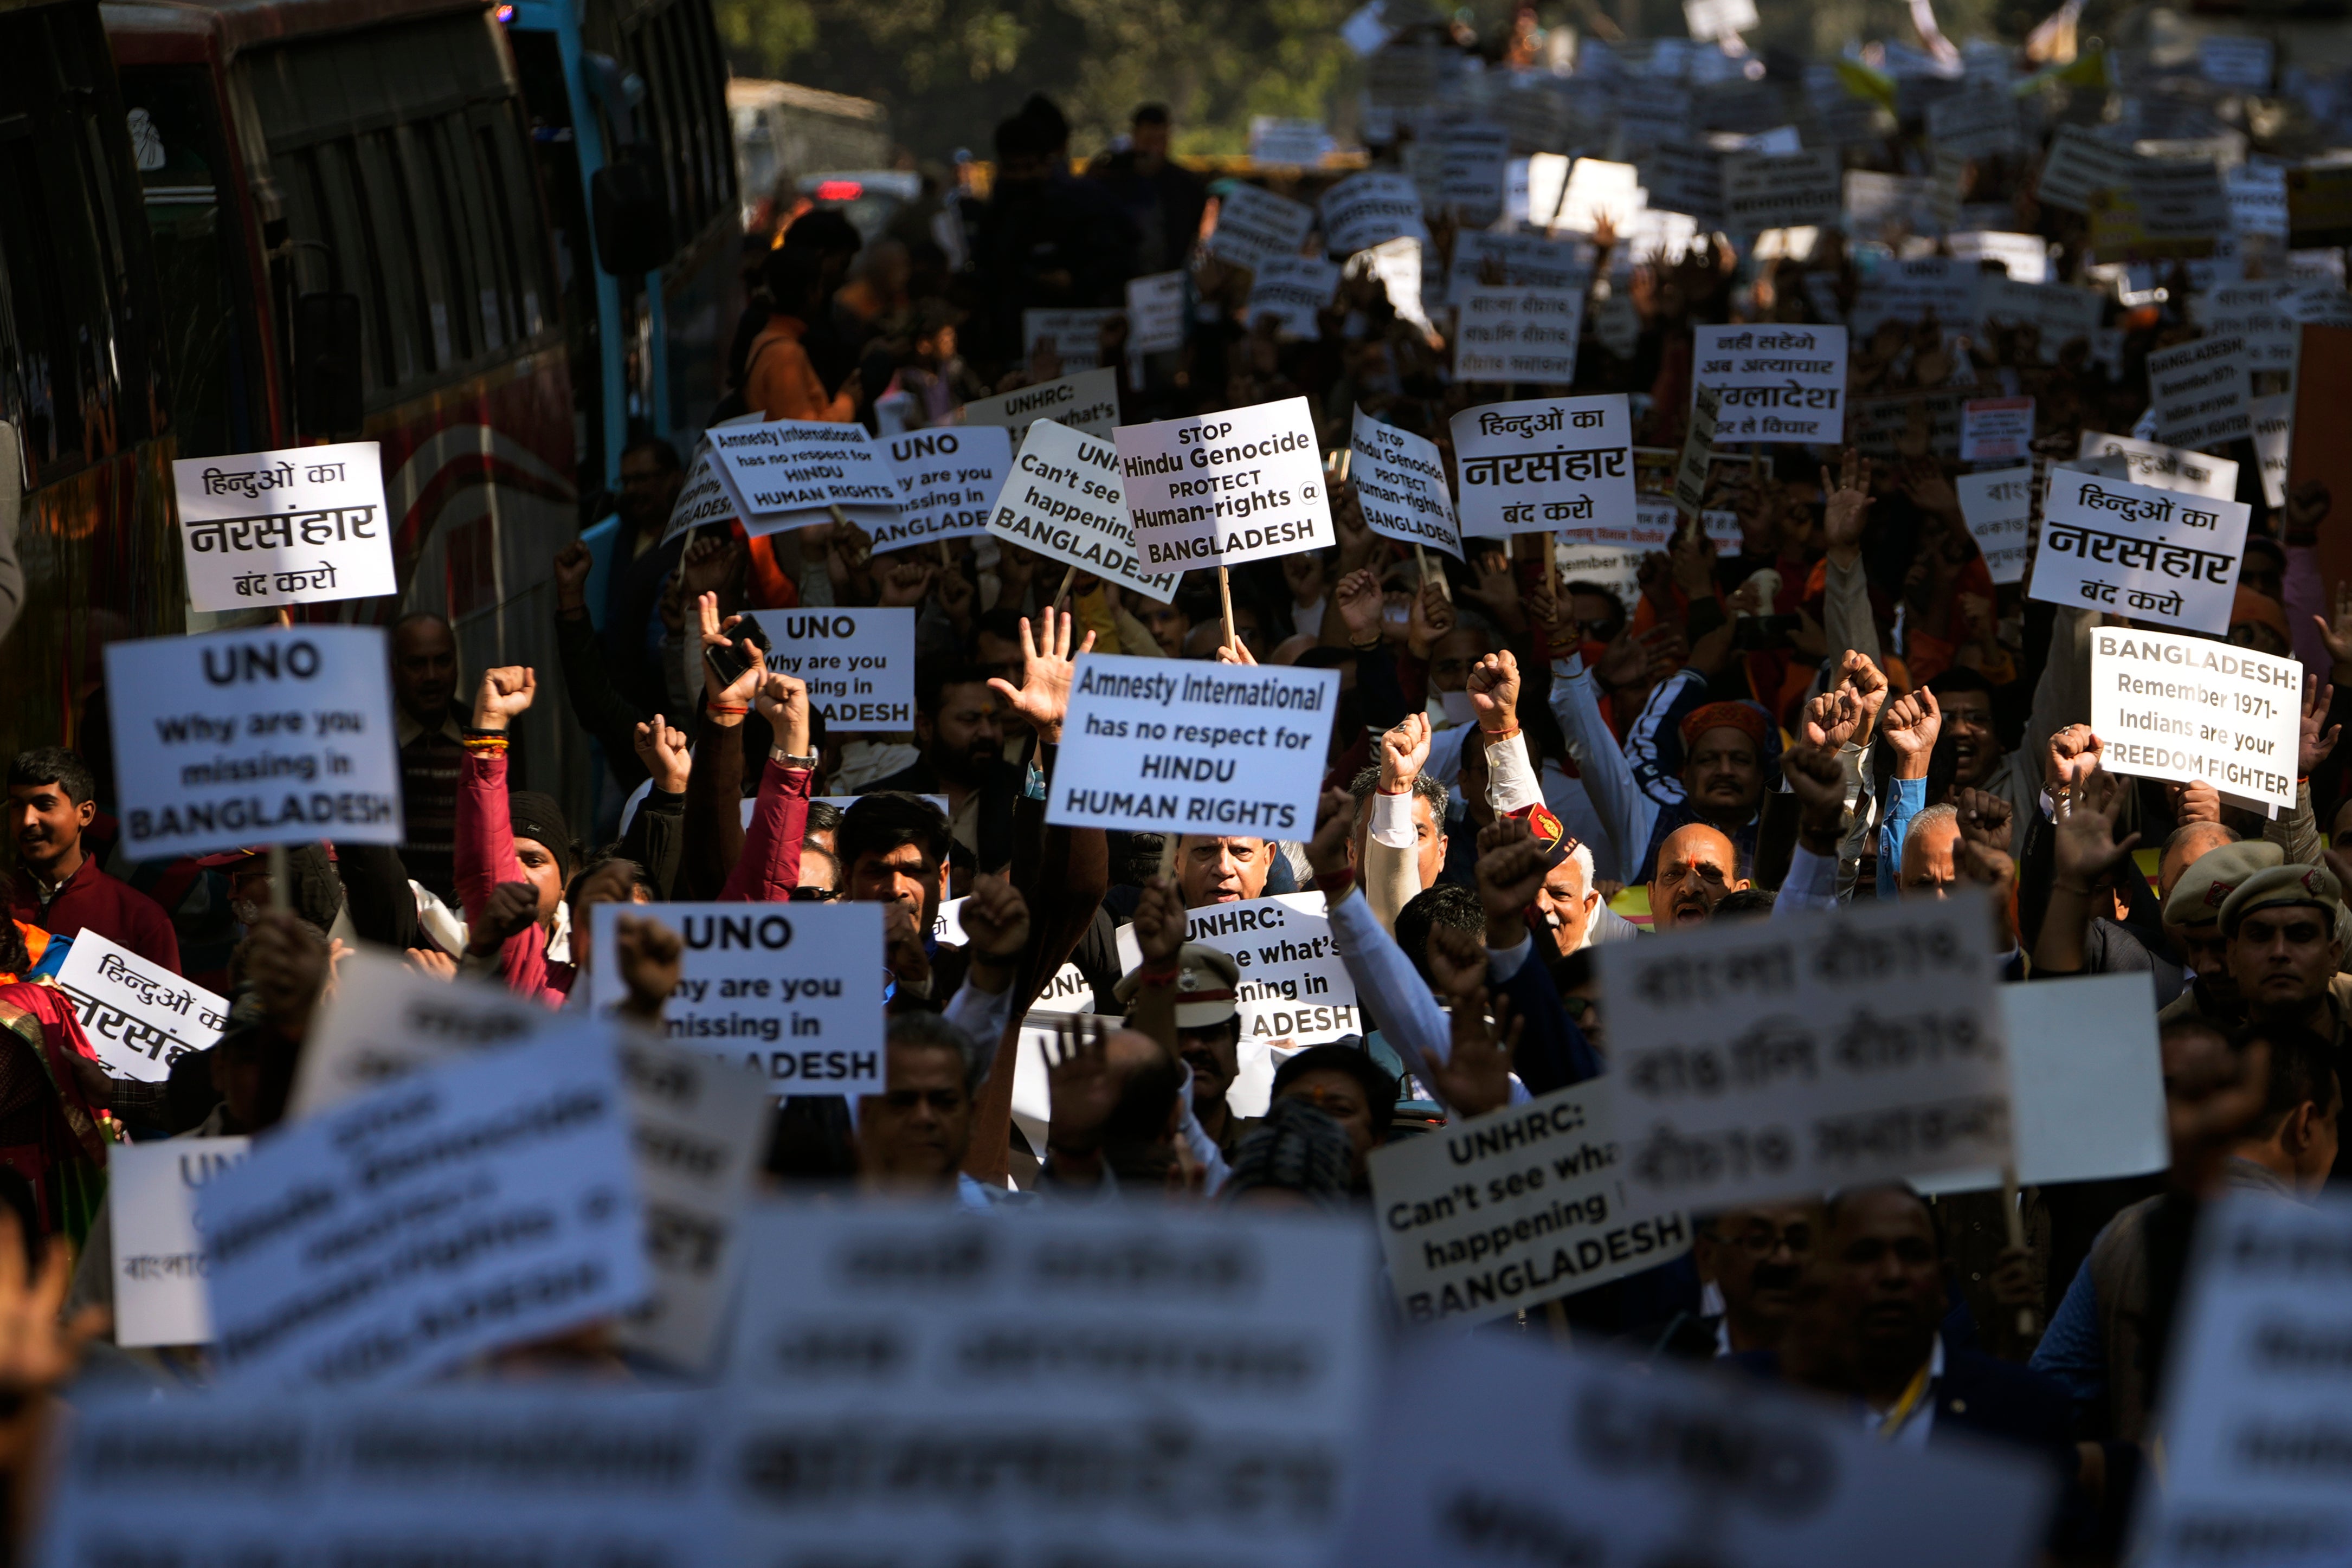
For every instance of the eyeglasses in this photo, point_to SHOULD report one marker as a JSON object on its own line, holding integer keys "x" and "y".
{"x": 812, "y": 895}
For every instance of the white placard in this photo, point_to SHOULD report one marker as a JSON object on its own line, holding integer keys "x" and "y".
{"x": 703, "y": 500}
{"x": 1254, "y": 225}
{"x": 2058, "y": 314}
{"x": 1875, "y": 201}
{"x": 1219, "y": 1359}
{"x": 697, "y": 1129}
{"x": 2165, "y": 467}
{"x": 2152, "y": 555}
{"x": 792, "y": 991}
{"x": 1829, "y": 1050}
{"x": 1155, "y": 312}
{"x": 1294, "y": 143}
{"x": 1295, "y": 290}
{"x": 2274, "y": 419}
{"x": 1515, "y": 261}
{"x": 1517, "y": 335}
{"x": 1494, "y": 1451}
{"x": 1295, "y": 990}
{"x": 2253, "y": 1410}
{"x": 1369, "y": 209}
{"x": 1224, "y": 488}
{"x": 2257, "y": 193}
{"x": 1996, "y": 429}
{"x": 1687, "y": 179}
{"x": 1710, "y": 20}
{"x": 1943, "y": 287}
{"x": 1544, "y": 464}
{"x": 859, "y": 663}
{"x": 517, "y": 1471}
{"x": 1198, "y": 749}
{"x": 2199, "y": 392}
{"x": 1777, "y": 384}
{"x": 1066, "y": 500}
{"x": 948, "y": 482}
{"x": 1075, "y": 333}
{"x": 2087, "y": 1084}
{"x": 1498, "y": 1214}
{"x": 1598, "y": 191}
{"x": 268, "y": 735}
{"x": 1978, "y": 122}
{"x": 478, "y": 1204}
{"x": 2261, "y": 315}
{"x": 1471, "y": 161}
{"x": 298, "y": 526}
{"x": 160, "y": 1267}
{"x": 1998, "y": 508}
{"x": 1613, "y": 567}
{"x": 789, "y": 473}
{"x": 1698, "y": 460}
{"x": 2025, "y": 258}
{"x": 386, "y": 1020}
{"x": 140, "y": 1016}
{"x": 1087, "y": 401}
{"x": 1781, "y": 190}
{"x": 1400, "y": 481}
{"x": 2080, "y": 164}
{"x": 2185, "y": 709}
{"x": 2235, "y": 60}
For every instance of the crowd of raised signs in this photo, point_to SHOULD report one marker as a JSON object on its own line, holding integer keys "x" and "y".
{"x": 1599, "y": 857}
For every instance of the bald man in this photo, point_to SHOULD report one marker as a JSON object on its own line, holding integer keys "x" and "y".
{"x": 1931, "y": 848}
{"x": 1697, "y": 865}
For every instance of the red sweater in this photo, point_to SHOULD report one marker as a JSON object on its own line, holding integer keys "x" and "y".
{"x": 91, "y": 900}
{"x": 485, "y": 858}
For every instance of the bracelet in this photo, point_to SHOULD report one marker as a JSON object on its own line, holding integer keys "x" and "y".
{"x": 1364, "y": 647}
{"x": 778, "y": 755}
{"x": 493, "y": 741}
{"x": 1163, "y": 973}
{"x": 471, "y": 729}
{"x": 724, "y": 707}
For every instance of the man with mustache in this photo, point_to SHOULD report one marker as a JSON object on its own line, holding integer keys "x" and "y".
{"x": 1755, "y": 1257}
{"x": 1697, "y": 865}
{"x": 959, "y": 727}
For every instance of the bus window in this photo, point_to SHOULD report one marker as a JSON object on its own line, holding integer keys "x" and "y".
{"x": 431, "y": 248}
{"x": 422, "y": 146}
{"x": 492, "y": 293}
{"x": 516, "y": 197}
{"x": 481, "y": 141}
{"x": 344, "y": 194}
{"x": 200, "y": 258}
{"x": 47, "y": 401}
{"x": 386, "y": 200}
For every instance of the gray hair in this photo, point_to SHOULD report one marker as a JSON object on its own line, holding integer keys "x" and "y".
{"x": 1932, "y": 817}
{"x": 1428, "y": 789}
{"x": 933, "y": 1030}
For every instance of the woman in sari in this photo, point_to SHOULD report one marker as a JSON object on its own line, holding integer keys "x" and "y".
{"x": 53, "y": 1094}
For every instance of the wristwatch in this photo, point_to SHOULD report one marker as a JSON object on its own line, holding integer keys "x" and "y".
{"x": 779, "y": 756}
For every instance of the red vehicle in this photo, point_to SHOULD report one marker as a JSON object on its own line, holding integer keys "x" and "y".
{"x": 353, "y": 245}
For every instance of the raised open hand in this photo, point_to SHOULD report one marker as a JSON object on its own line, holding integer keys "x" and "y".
{"x": 1047, "y": 664}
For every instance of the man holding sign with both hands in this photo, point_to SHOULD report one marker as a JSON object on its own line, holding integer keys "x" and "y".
{"x": 1070, "y": 909}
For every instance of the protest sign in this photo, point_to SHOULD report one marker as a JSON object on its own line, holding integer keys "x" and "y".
{"x": 2235, "y": 60}
{"x": 1886, "y": 427}
{"x": 1517, "y": 335}
{"x": 2058, "y": 315}
{"x": 2086, "y": 1085}
{"x": 789, "y": 473}
{"x": 2274, "y": 421}
{"x": 1500, "y": 1213}
{"x": 1491, "y": 1451}
{"x": 1875, "y": 201}
{"x": 1213, "y": 749}
{"x": 139, "y": 1016}
{"x": 1397, "y": 264}
{"x": 1295, "y": 290}
{"x": 1369, "y": 209}
{"x": 386, "y": 1020}
{"x": 1777, "y": 384}
{"x": 705, "y": 500}
{"x": 2081, "y": 165}
{"x": 1136, "y": 1354}
{"x": 1471, "y": 161}
{"x": 792, "y": 991}
{"x": 1687, "y": 179}
{"x": 1483, "y": 258}
{"x": 2024, "y": 258}
{"x": 948, "y": 482}
{"x": 512, "y": 1471}
{"x": 1781, "y": 191}
{"x": 1613, "y": 567}
{"x": 2319, "y": 206}
{"x": 1294, "y": 990}
{"x": 859, "y": 663}
{"x": 1296, "y": 143}
{"x": 2253, "y": 1429}
{"x": 294, "y": 527}
{"x": 1698, "y": 452}
{"x": 1400, "y": 481}
{"x": 1087, "y": 402}
{"x": 697, "y": 1129}
{"x": 1823, "y": 1051}
{"x": 1544, "y": 464}
{"x": 2199, "y": 392}
{"x": 1596, "y": 191}
{"x": 2257, "y": 195}
{"x": 1155, "y": 313}
{"x": 1978, "y": 122}
{"x": 2174, "y": 208}
{"x": 1075, "y": 334}
{"x": 1710, "y": 20}
{"x": 2170, "y": 557}
{"x": 1999, "y": 507}
{"x": 2165, "y": 467}
{"x": 1255, "y": 227}
{"x": 1996, "y": 429}
{"x": 1066, "y": 500}
{"x": 159, "y": 1260}
{"x": 2261, "y": 315}
{"x": 478, "y": 1204}
{"x": 269, "y": 735}
{"x": 1221, "y": 489}
{"x": 1940, "y": 287}
{"x": 2184, "y": 709}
